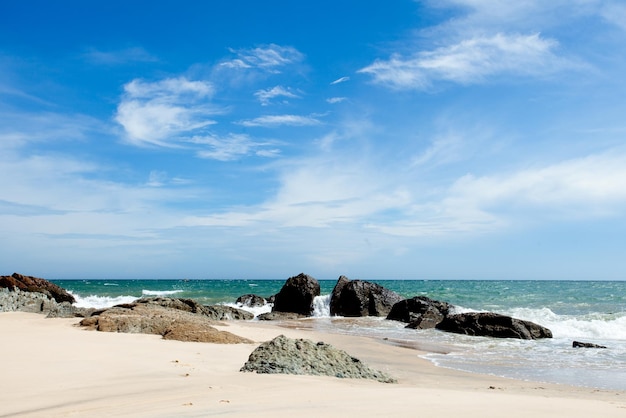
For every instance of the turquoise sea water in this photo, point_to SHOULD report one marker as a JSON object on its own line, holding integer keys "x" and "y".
{"x": 590, "y": 311}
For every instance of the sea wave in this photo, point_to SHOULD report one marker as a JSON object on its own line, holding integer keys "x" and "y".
{"x": 101, "y": 302}
{"x": 160, "y": 292}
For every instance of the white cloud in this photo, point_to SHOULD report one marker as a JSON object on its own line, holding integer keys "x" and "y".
{"x": 335, "y": 100}
{"x": 279, "y": 120}
{"x": 233, "y": 147}
{"x": 470, "y": 61}
{"x": 267, "y": 57}
{"x": 157, "y": 113}
{"x": 266, "y": 96}
{"x": 615, "y": 12}
{"x": 340, "y": 80}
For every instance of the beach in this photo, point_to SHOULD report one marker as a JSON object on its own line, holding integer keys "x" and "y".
{"x": 53, "y": 368}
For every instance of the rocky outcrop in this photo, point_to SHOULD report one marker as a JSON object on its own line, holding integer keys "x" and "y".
{"x": 297, "y": 295}
{"x": 279, "y": 316}
{"x": 251, "y": 301}
{"x": 35, "y": 302}
{"x": 420, "y": 312}
{"x": 36, "y": 284}
{"x": 215, "y": 312}
{"x": 299, "y": 356}
{"x": 578, "y": 344}
{"x": 361, "y": 298}
{"x": 152, "y": 318}
{"x": 493, "y": 325}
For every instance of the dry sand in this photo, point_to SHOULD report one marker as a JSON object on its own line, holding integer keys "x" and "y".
{"x": 51, "y": 368}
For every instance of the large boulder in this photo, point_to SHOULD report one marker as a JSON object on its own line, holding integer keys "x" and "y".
{"x": 493, "y": 325}
{"x": 297, "y": 295}
{"x": 420, "y": 312}
{"x": 361, "y": 298}
{"x": 36, "y": 284}
{"x": 300, "y": 356}
{"x": 171, "y": 323}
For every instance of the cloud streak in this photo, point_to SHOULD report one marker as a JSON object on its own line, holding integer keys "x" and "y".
{"x": 470, "y": 61}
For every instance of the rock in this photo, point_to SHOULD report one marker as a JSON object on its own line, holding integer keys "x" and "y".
{"x": 227, "y": 313}
{"x": 297, "y": 295}
{"x": 419, "y": 312}
{"x": 215, "y": 312}
{"x": 493, "y": 325}
{"x": 151, "y": 318}
{"x": 578, "y": 344}
{"x": 251, "y": 301}
{"x": 35, "y": 302}
{"x": 361, "y": 298}
{"x": 304, "y": 357}
{"x": 279, "y": 316}
{"x": 35, "y": 284}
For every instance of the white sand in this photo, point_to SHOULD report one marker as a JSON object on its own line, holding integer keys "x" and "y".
{"x": 51, "y": 368}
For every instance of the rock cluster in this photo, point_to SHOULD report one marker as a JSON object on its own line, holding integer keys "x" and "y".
{"x": 300, "y": 356}
{"x": 36, "y": 284}
{"x": 36, "y": 302}
{"x": 171, "y": 318}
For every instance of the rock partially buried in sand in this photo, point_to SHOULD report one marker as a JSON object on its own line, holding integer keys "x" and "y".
{"x": 171, "y": 323}
{"x": 304, "y": 357}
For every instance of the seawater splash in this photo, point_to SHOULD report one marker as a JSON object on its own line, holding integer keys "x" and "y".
{"x": 321, "y": 306}
{"x": 101, "y": 302}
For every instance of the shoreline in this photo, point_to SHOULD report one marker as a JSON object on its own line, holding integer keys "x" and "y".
{"x": 53, "y": 368}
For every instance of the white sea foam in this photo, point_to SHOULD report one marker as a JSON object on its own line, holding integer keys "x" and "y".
{"x": 160, "y": 292}
{"x": 594, "y": 325}
{"x": 321, "y": 306}
{"x": 101, "y": 302}
{"x": 256, "y": 311}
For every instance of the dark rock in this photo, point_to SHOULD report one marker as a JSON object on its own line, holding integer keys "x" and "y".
{"x": 419, "y": 312}
{"x": 279, "y": 316}
{"x": 304, "y": 357}
{"x": 493, "y": 325}
{"x": 297, "y": 295}
{"x": 35, "y": 284}
{"x": 578, "y": 344}
{"x": 361, "y": 298}
{"x": 251, "y": 301}
{"x": 151, "y": 318}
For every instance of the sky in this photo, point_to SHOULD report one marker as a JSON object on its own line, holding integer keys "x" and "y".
{"x": 407, "y": 139}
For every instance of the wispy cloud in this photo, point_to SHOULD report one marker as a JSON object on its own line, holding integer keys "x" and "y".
{"x": 335, "y": 100}
{"x": 279, "y": 120}
{"x": 266, "y": 96}
{"x": 156, "y": 113}
{"x": 267, "y": 57}
{"x": 233, "y": 147}
{"x": 470, "y": 61}
{"x": 340, "y": 80}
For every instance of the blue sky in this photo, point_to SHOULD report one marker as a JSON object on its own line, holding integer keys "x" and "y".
{"x": 433, "y": 139}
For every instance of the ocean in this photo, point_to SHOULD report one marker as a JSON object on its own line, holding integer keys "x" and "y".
{"x": 587, "y": 311}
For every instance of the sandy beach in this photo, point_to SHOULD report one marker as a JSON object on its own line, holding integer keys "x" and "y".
{"x": 52, "y": 368}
